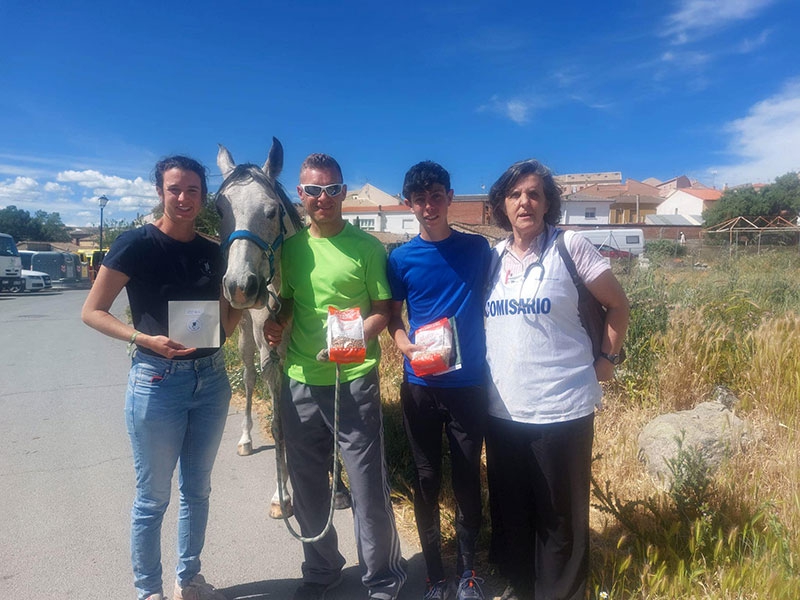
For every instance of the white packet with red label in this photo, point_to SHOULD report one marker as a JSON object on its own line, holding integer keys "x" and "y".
{"x": 346, "y": 342}
{"x": 438, "y": 341}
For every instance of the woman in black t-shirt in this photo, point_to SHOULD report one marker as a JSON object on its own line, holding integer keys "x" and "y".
{"x": 177, "y": 397}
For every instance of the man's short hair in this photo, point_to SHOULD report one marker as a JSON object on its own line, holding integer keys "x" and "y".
{"x": 422, "y": 176}
{"x": 322, "y": 161}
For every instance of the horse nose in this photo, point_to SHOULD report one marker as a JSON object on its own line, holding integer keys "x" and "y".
{"x": 241, "y": 293}
{"x": 251, "y": 286}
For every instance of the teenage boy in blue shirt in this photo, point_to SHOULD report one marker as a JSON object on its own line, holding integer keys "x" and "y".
{"x": 442, "y": 273}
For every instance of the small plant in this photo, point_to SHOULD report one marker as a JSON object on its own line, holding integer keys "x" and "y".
{"x": 690, "y": 488}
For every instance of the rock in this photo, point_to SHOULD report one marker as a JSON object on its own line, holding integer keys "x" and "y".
{"x": 710, "y": 427}
{"x": 725, "y": 396}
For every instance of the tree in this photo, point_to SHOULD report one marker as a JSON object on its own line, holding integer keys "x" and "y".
{"x": 51, "y": 229}
{"x": 15, "y": 222}
{"x": 779, "y": 198}
{"x": 42, "y": 227}
{"x": 208, "y": 221}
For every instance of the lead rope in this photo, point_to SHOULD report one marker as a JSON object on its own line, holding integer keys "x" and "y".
{"x": 280, "y": 455}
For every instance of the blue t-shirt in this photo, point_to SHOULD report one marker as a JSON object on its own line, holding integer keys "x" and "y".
{"x": 445, "y": 279}
{"x": 162, "y": 269}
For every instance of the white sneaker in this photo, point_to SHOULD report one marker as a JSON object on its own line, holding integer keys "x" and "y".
{"x": 197, "y": 589}
{"x": 155, "y": 597}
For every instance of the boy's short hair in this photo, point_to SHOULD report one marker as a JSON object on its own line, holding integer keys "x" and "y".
{"x": 423, "y": 175}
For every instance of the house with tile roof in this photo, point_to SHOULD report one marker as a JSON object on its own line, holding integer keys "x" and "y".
{"x": 631, "y": 201}
{"x": 585, "y": 209}
{"x": 370, "y": 196}
{"x": 688, "y": 201}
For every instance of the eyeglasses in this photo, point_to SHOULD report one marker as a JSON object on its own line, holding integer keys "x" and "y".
{"x": 315, "y": 191}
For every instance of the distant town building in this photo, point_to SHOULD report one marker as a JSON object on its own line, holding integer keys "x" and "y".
{"x": 572, "y": 183}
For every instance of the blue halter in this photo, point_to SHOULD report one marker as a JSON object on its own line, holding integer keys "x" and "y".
{"x": 269, "y": 249}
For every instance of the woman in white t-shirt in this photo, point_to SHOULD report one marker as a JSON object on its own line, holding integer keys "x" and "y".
{"x": 544, "y": 388}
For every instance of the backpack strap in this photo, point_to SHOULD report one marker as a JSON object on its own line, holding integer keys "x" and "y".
{"x": 570, "y": 264}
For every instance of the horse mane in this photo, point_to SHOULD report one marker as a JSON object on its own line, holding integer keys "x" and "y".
{"x": 289, "y": 207}
{"x": 254, "y": 171}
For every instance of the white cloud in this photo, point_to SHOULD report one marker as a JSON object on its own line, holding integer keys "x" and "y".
{"x": 749, "y": 45}
{"x": 74, "y": 195}
{"x": 127, "y": 194}
{"x": 696, "y": 18}
{"x": 765, "y": 142}
{"x": 517, "y": 109}
{"x": 52, "y": 186}
{"x": 686, "y": 60}
{"x": 20, "y": 189}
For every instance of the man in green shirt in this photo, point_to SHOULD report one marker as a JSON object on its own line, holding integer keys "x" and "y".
{"x": 332, "y": 263}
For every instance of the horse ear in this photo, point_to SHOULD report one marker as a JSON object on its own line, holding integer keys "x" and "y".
{"x": 274, "y": 164}
{"x": 225, "y": 161}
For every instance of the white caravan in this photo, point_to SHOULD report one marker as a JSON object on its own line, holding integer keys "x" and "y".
{"x": 630, "y": 240}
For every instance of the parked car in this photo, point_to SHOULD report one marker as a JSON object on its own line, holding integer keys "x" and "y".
{"x": 610, "y": 252}
{"x": 36, "y": 280}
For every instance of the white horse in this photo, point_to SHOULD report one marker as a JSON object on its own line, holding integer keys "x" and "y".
{"x": 257, "y": 216}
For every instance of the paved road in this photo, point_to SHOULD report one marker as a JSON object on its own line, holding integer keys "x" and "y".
{"x": 66, "y": 476}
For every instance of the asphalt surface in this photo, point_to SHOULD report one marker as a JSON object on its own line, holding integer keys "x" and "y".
{"x": 66, "y": 476}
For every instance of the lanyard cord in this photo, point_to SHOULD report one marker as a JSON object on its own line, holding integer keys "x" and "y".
{"x": 280, "y": 460}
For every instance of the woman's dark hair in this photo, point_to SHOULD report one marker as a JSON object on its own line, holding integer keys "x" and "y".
{"x": 501, "y": 188}
{"x": 185, "y": 164}
{"x": 422, "y": 176}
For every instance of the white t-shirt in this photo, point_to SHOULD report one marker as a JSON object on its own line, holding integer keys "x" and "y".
{"x": 539, "y": 354}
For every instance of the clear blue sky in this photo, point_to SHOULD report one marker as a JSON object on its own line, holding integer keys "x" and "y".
{"x": 93, "y": 93}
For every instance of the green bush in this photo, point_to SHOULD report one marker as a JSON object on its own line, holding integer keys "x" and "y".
{"x": 661, "y": 249}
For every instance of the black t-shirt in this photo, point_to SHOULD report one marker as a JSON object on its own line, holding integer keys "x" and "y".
{"x": 163, "y": 269}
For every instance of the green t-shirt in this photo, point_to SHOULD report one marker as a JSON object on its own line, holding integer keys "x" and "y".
{"x": 343, "y": 271}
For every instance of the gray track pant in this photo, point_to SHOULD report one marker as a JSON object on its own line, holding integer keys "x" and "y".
{"x": 307, "y": 417}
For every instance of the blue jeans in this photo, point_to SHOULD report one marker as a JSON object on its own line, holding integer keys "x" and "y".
{"x": 175, "y": 411}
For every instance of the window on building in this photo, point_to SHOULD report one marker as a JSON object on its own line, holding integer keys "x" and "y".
{"x": 368, "y": 224}
{"x": 590, "y": 213}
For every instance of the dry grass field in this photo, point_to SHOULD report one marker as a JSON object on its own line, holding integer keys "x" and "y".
{"x": 705, "y": 319}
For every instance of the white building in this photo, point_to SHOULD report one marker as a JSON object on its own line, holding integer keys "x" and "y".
{"x": 582, "y": 209}
{"x": 382, "y": 219}
{"x": 688, "y": 201}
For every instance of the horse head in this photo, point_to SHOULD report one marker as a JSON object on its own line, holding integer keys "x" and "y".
{"x": 257, "y": 216}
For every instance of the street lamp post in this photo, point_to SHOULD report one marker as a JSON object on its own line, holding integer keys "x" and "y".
{"x": 102, "y": 200}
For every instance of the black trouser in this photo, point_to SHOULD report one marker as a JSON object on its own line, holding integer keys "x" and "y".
{"x": 462, "y": 413}
{"x": 539, "y": 483}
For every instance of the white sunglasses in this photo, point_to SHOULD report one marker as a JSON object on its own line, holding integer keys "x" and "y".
{"x": 315, "y": 191}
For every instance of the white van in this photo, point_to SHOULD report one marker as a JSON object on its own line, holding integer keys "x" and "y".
{"x": 628, "y": 240}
